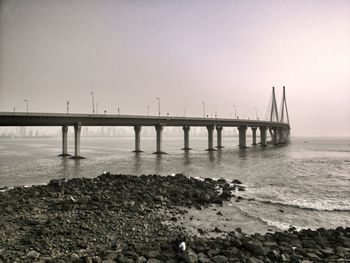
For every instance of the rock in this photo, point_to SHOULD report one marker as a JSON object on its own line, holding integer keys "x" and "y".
{"x": 141, "y": 260}
{"x": 220, "y": 259}
{"x": 96, "y": 259}
{"x": 123, "y": 259}
{"x": 153, "y": 260}
{"x": 33, "y": 254}
{"x": 153, "y": 254}
{"x": 285, "y": 257}
{"x": 235, "y": 181}
{"x": 219, "y": 213}
{"x": 55, "y": 183}
{"x": 255, "y": 247}
{"x": 254, "y": 260}
{"x": 217, "y": 230}
{"x": 190, "y": 256}
{"x": 112, "y": 255}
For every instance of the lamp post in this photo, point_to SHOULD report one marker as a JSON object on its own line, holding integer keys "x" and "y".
{"x": 203, "y": 109}
{"x": 148, "y": 108}
{"x": 26, "y": 101}
{"x": 234, "y": 106}
{"x": 256, "y": 113}
{"x": 158, "y": 105}
{"x": 67, "y": 106}
{"x": 96, "y": 107}
{"x": 118, "y": 111}
{"x": 93, "y": 103}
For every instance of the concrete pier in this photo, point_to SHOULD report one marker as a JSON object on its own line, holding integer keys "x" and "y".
{"x": 137, "y": 130}
{"x": 254, "y": 135}
{"x": 77, "y": 131}
{"x": 275, "y": 136}
{"x": 263, "y": 136}
{"x": 159, "y": 130}
{"x": 242, "y": 136}
{"x": 186, "y": 138}
{"x": 281, "y": 136}
{"x": 219, "y": 137}
{"x": 64, "y": 141}
{"x": 210, "y": 129}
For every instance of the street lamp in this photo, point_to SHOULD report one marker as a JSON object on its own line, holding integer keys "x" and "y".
{"x": 26, "y": 101}
{"x": 148, "y": 107}
{"x": 203, "y": 109}
{"x": 96, "y": 107}
{"x": 67, "y": 106}
{"x": 93, "y": 104}
{"x": 256, "y": 113}
{"x": 118, "y": 111}
{"x": 158, "y": 105}
{"x": 234, "y": 106}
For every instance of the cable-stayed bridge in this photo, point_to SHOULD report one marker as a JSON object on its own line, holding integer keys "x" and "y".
{"x": 277, "y": 125}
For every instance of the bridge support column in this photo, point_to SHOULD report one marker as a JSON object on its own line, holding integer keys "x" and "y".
{"x": 186, "y": 138}
{"x": 64, "y": 141}
{"x": 254, "y": 135}
{"x": 281, "y": 136}
{"x": 77, "y": 131}
{"x": 137, "y": 130}
{"x": 263, "y": 135}
{"x": 219, "y": 137}
{"x": 287, "y": 134}
{"x": 159, "y": 130}
{"x": 210, "y": 129}
{"x": 242, "y": 136}
{"x": 275, "y": 136}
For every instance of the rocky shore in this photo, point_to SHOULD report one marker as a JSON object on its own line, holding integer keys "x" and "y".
{"x": 124, "y": 218}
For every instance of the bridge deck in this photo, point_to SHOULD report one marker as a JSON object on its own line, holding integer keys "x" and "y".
{"x": 61, "y": 119}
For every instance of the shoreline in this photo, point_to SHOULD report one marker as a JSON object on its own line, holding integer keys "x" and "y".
{"x": 125, "y": 218}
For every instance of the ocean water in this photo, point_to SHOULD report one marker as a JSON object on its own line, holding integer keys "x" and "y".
{"x": 305, "y": 184}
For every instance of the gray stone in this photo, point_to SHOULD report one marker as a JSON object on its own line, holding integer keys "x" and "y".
{"x": 220, "y": 259}
{"x": 153, "y": 254}
{"x": 141, "y": 259}
{"x": 33, "y": 254}
{"x": 190, "y": 256}
{"x": 123, "y": 259}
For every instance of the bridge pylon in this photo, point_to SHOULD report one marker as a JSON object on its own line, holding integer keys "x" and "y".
{"x": 284, "y": 109}
{"x": 274, "y": 110}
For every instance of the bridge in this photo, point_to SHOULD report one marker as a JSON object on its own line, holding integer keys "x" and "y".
{"x": 278, "y": 126}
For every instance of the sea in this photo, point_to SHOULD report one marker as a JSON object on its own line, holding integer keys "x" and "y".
{"x": 304, "y": 184}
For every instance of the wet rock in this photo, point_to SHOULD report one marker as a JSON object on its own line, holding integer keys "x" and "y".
{"x": 235, "y": 181}
{"x": 219, "y": 213}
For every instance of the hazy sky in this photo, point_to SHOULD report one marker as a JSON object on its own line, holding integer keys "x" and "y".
{"x": 221, "y": 52}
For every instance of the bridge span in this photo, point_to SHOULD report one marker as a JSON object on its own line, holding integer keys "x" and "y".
{"x": 279, "y": 131}
{"x": 277, "y": 127}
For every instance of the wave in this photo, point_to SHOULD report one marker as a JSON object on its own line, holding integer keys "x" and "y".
{"x": 307, "y": 206}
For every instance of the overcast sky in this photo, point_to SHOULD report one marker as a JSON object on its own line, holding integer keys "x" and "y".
{"x": 184, "y": 52}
